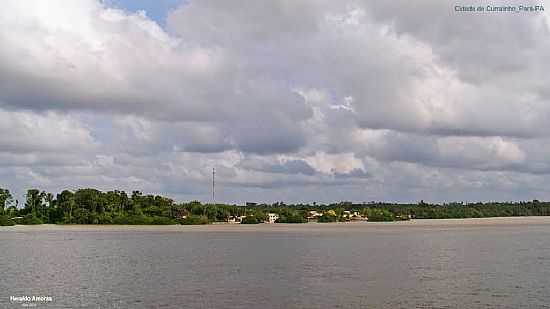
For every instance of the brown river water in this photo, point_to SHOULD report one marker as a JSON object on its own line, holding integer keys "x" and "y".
{"x": 471, "y": 263}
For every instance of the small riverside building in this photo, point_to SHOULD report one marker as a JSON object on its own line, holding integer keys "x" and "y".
{"x": 313, "y": 216}
{"x": 232, "y": 219}
{"x": 272, "y": 217}
{"x": 235, "y": 219}
{"x": 182, "y": 214}
{"x": 353, "y": 216}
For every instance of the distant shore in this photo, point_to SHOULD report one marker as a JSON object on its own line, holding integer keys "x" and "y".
{"x": 305, "y": 227}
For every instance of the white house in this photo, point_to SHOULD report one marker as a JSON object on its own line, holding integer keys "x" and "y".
{"x": 235, "y": 219}
{"x": 271, "y": 217}
{"x": 346, "y": 215}
{"x": 313, "y": 216}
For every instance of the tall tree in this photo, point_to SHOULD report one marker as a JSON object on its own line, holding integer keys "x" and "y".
{"x": 66, "y": 201}
{"x": 34, "y": 201}
{"x": 6, "y": 199}
{"x": 92, "y": 201}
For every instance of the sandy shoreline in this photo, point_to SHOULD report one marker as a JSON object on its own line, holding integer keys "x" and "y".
{"x": 436, "y": 224}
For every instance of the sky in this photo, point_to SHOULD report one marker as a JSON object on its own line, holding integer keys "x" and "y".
{"x": 290, "y": 100}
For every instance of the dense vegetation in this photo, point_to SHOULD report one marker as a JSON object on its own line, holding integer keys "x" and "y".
{"x": 195, "y": 220}
{"x": 289, "y": 215}
{"x": 91, "y": 206}
{"x": 252, "y": 219}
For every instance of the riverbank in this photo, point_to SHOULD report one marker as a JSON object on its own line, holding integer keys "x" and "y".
{"x": 313, "y": 227}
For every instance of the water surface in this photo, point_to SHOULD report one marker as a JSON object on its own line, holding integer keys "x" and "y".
{"x": 483, "y": 263}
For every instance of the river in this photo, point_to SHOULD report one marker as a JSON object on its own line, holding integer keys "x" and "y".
{"x": 472, "y": 263}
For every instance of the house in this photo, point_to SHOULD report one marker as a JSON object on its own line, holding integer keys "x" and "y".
{"x": 235, "y": 219}
{"x": 353, "y": 216}
{"x": 404, "y": 217}
{"x": 182, "y": 213}
{"x": 313, "y": 216}
{"x": 356, "y": 216}
{"x": 251, "y": 204}
{"x": 346, "y": 214}
{"x": 272, "y": 217}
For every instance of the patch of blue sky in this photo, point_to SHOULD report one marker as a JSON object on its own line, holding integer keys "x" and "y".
{"x": 157, "y": 10}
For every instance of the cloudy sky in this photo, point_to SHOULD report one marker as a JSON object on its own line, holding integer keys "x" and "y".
{"x": 292, "y": 100}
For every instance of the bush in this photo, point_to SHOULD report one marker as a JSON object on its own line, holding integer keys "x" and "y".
{"x": 104, "y": 219}
{"x": 380, "y": 215}
{"x": 194, "y": 220}
{"x": 163, "y": 221}
{"x": 291, "y": 219}
{"x": 81, "y": 216}
{"x": 29, "y": 219}
{"x": 251, "y": 220}
{"x": 6, "y": 221}
{"x": 327, "y": 218}
{"x": 133, "y": 220}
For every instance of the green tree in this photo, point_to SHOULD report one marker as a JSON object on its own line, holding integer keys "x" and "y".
{"x": 251, "y": 220}
{"x": 92, "y": 201}
{"x": 377, "y": 215}
{"x": 6, "y": 200}
{"x": 34, "y": 203}
{"x": 66, "y": 202}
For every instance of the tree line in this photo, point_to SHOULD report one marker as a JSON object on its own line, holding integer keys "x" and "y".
{"x": 92, "y": 206}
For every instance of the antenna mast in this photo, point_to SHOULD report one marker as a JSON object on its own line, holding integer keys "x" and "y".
{"x": 214, "y": 185}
